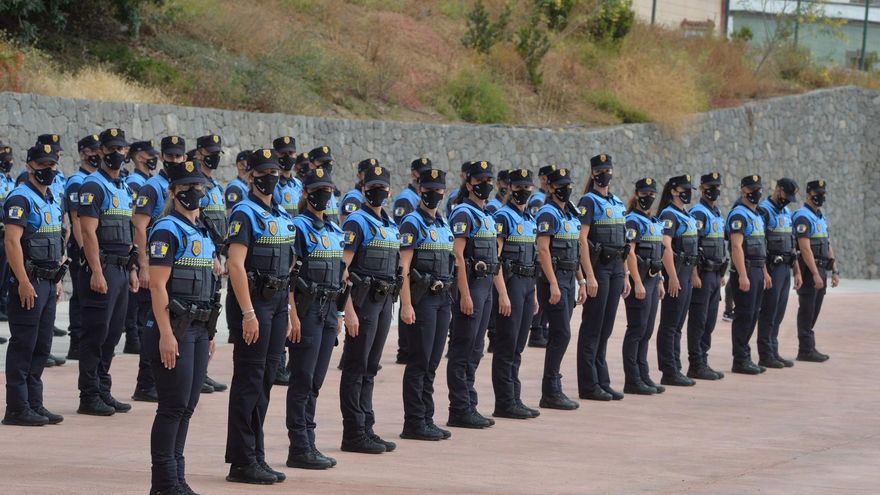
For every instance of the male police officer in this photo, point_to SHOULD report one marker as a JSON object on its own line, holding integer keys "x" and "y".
{"x": 289, "y": 188}
{"x": 408, "y": 199}
{"x": 34, "y": 244}
{"x": 110, "y": 272}
{"x": 237, "y": 188}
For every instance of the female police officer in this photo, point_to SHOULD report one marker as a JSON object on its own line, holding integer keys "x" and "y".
{"x": 316, "y": 318}
{"x": 680, "y": 254}
{"x": 476, "y": 254}
{"x": 558, "y": 253}
{"x": 427, "y": 266}
{"x": 516, "y": 239}
{"x": 371, "y": 254}
{"x": 180, "y": 345}
{"x": 645, "y": 232}
{"x": 260, "y": 259}
{"x": 603, "y": 249}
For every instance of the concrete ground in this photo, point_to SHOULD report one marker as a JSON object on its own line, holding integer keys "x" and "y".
{"x": 810, "y": 429}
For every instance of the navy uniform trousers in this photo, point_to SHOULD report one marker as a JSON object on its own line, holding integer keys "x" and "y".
{"x": 29, "y": 346}
{"x": 773, "y": 305}
{"x": 559, "y": 327}
{"x": 596, "y": 327}
{"x": 702, "y": 316}
{"x": 103, "y": 316}
{"x": 673, "y": 312}
{"x": 426, "y": 343}
{"x": 511, "y": 336}
{"x": 466, "y": 346}
{"x": 640, "y": 317}
{"x": 809, "y": 305}
{"x": 747, "y": 307}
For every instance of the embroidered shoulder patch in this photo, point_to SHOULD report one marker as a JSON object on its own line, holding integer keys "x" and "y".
{"x": 349, "y": 238}
{"x": 141, "y": 201}
{"x": 86, "y": 199}
{"x": 802, "y": 228}
{"x": 544, "y": 227}
{"x": 158, "y": 249}
{"x": 459, "y": 227}
{"x": 406, "y": 239}
{"x": 15, "y": 212}
{"x": 234, "y": 228}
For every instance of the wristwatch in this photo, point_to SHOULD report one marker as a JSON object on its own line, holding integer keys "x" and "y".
{"x": 582, "y": 282}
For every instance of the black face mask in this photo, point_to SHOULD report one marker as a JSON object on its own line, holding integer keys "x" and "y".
{"x": 818, "y": 200}
{"x": 712, "y": 193}
{"x": 44, "y": 176}
{"x": 266, "y": 184}
{"x": 287, "y": 162}
{"x": 645, "y": 202}
{"x": 94, "y": 160}
{"x": 685, "y": 197}
{"x": 319, "y": 199}
{"x": 521, "y": 196}
{"x": 783, "y": 201}
{"x": 431, "y": 199}
{"x": 114, "y": 160}
{"x": 301, "y": 171}
{"x": 375, "y": 197}
{"x": 502, "y": 191}
{"x": 190, "y": 198}
{"x": 212, "y": 161}
{"x": 6, "y": 166}
{"x": 563, "y": 193}
{"x": 603, "y": 179}
{"x": 483, "y": 190}
{"x": 754, "y": 197}
{"x": 152, "y": 162}
{"x": 168, "y": 165}
{"x": 327, "y": 168}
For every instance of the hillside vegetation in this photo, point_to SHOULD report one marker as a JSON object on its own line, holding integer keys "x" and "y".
{"x": 540, "y": 62}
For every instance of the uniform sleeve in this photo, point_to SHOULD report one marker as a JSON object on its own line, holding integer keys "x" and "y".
{"x": 535, "y": 203}
{"x": 765, "y": 216}
{"x": 163, "y": 246}
{"x": 461, "y": 224}
{"x": 146, "y": 200}
{"x": 353, "y": 235}
{"x": 401, "y": 208}
{"x": 350, "y": 205}
{"x": 409, "y": 233}
{"x": 233, "y": 196}
{"x": 134, "y": 186}
{"x": 547, "y": 224}
{"x": 503, "y": 224}
{"x": 701, "y": 219}
{"x": 736, "y": 224}
{"x": 670, "y": 223}
{"x": 299, "y": 243}
{"x": 17, "y": 211}
{"x": 802, "y": 227}
{"x": 585, "y": 209}
{"x": 72, "y": 195}
{"x": 633, "y": 232}
{"x": 240, "y": 229}
{"x": 91, "y": 196}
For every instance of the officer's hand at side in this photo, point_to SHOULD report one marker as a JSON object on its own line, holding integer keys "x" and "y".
{"x": 818, "y": 283}
{"x": 798, "y": 281}
{"x": 144, "y": 277}
{"x": 835, "y": 280}
{"x": 294, "y": 330}
{"x": 407, "y": 314}
{"x": 503, "y": 305}
{"x": 661, "y": 290}
{"x": 592, "y": 286}
{"x": 744, "y": 283}
{"x": 250, "y": 331}
{"x": 626, "y": 288}
{"x": 27, "y": 294}
{"x": 340, "y": 322}
{"x": 133, "y": 283}
{"x": 640, "y": 291}
{"x": 352, "y": 324}
{"x": 582, "y": 294}
{"x": 218, "y": 269}
{"x": 768, "y": 283}
{"x": 674, "y": 287}
{"x": 466, "y": 305}
{"x": 59, "y": 291}
{"x": 212, "y": 348}
{"x": 536, "y": 307}
{"x": 168, "y": 350}
{"x": 555, "y": 294}
{"x": 98, "y": 283}
{"x": 697, "y": 282}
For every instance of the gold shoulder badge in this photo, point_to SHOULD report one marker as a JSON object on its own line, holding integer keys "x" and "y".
{"x": 141, "y": 200}
{"x": 498, "y": 227}
{"x": 667, "y": 224}
{"x": 349, "y": 237}
{"x": 631, "y": 234}
{"x": 189, "y": 166}
{"x": 197, "y": 248}
{"x": 115, "y": 201}
{"x": 801, "y": 228}
{"x": 234, "y": 228}
{"x": 16, "y": 212}
{"x": 736, "y": 225}
{"x": 267, "y": 153}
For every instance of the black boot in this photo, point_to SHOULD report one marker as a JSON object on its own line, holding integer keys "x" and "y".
{"x": 511, "y": 412}
{"x": 389, "y": 446}
{"x": 25, "y": 417}
{"x": 467, "y": 419}
{"x": 596, "y": 394}
{"x": 813, "y": 356}
{"x": 638, "y": 388}
{"x": 558, "y": 401}
{"x": 677, "y": 379}
{"x": 649, "y": 382}
{"x": 308, "y": 460}
{"x": 120, "y": 407}
{"x": 217, "y": 386}
{"x": 362, "y": 445}
{"x": 770, "y": 362}
{"x": 252, "y": 474}
{"x": 747, "y": 368}
{"x": 143, "y": 395}
{"x": 279, "y": 476}
{"x": 701, "y": 372}
{"x": 421, "y": 432}
{"x": 95, "y": 407}
{"x": 615, "y": 395}
{"x": 53, "y": 418}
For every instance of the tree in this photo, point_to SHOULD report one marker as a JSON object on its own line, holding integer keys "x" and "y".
{"x": 482, "y": 33}
{"x": 532, "y": 45}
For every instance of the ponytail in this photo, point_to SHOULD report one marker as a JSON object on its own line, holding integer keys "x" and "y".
{"x": 589, "y": 186}
{"x": 462, "y": 194}
{"x": 301, "y": 205}
{"x": 169, "y": 203}
{"x": 665, "y": 197}
{"x": 633, "y": 201}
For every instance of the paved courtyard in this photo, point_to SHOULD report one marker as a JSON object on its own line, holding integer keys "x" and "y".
{"x": 810, "y": 429}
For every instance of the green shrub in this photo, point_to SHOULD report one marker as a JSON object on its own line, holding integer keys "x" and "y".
{"x": 608, "y": 102}
{"x": 482, "y": 33}
{"x": 556, "y": 12}
{"x": 475, "y": 98}
{"x": 532, "y": 45}
{"x": 612, "y": 20}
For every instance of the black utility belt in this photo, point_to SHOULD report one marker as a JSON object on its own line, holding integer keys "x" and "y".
{"x": 781, "y": 259}
{"x": 826, "y": 263}
{"x": 260, "y": 280}
{"x": 687, "y": 259}
{"x": 649, "y": 267}
{"x": 114, "y": 259}
{"x": 521, "y": 270}
{"x": 755, "y": 263}
{"x": 439, "y": 287}
{"x": 712, "y": 265}
{"x": 43, "y": 273}
{"x": 567, "y": 265}
{"x": 482, "y": 268}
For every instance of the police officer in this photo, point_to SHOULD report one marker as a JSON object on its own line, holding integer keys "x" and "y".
{"x": 354, "y": 199}
{"x": 603, "y": 249}
{"x": 321, "y": 157}
{"x": 816, "y": 258}
{"x": 34, "y": 244}
{"x": 680, "y": 255}
{"x": 316, "y": 318}
{"x": 7, "y": 184}
{"x": 781, "y": 258}
{"x": 407, "y": 200}
{"x": 144, "y": 157}
{"x": 90, "y": 160}
{"x": 289, "y": 188}
{"x": 452, "y": 200}
{"x": 371, "y": 252}
{"x": 237, "y": 188}
{"x": 516, "y": 239}
{"x": 427, "y": 267}
{"x": 748, "y": 250}
{"x": 260, "y": 260}
{"x": 213, "y": 210}
{"x": 559, "y": 257}
{"x": 538, "y": 333}
{"x": 645, "y": 232}
{"x": 707, "y": 279}
{"x": 476, "y": 254}
{"x": 500, "y": 198}
{"x": 109, "y": 273}
{"x": 180, "y": 342}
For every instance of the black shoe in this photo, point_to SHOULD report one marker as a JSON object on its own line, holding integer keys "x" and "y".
{"x": 308, "y": 460}
{"x": 362, "y": 445}
{"x": 279, "y": 476}
{"x": 145, "y": 395}
{"x": 282, "y": 376}
{"x": 252, "y": 474}
{"x": 558, "y": 401}
{"x": 511, "y": 412}
{"x": 131, "y": 347}
{"x": 95, "y": 407}
{"x": 53, "y": 418}
{"x": 813, "y": 356}
{"x": 785, "y": 362}
{"x": 770, "y": 362}
{"x": 217, "y": 386}
{"x": 615, "y": 395}
{"x": 727, "y": 316}
{"x": 719, "y": 375}
{"x": 484, "y": 418}
{"x": 120, "y": 407}
{"x": 534, "y": 412}
{"x": 421, "y": 433}
{"x": 538, "y": 342}
{"x": 389, "y": 446}
{"x": 638, "y": 388}
{"x": 649, "y": 382}
{"x": 746, "y": 368}
{"x": 176, "y": 490}
{"x": 186, "y": 490}
{"x": 207, "y": 389}
{"x": 322, "y": 456}
{"x": 73, "y": 350}
{"x": 57, "y": 332}
{"x": 50, "y": 363}
{"x": 27, "y": 417}
{"x": 58, "y": 360}
{"x": 469, "y": 419}
{"x": 701, "y": 372}
{"x": 596, "y": 394}
{"x": 446, "y": 433}
{"x": 677, "y": 379}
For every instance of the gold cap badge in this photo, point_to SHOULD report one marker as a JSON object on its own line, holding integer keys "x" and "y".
{"x": 562, "y": 172}
{"x": 267, "y": 153}
{"x": 189, "y": 166}
{"x": 755, "y": 178}
{"x": 649, "y": 181}
{"x": 286, "y": 139}
{"x": 603, "y": 158}
{"x": 435, "y": 173}
{"x": 484, "y": 165}
{"x": 47, "y": 148}
{"x": 173, "y": 139}
{"x": 319, "y": 172}
{"x": 714, "y": 175}
{"x": 377, "y": 171}
{"x": 326, "y": 149}
{"x": 523, "y": 172}
{"x": 113, "y": 132}
{"x": 216, "y": 138}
